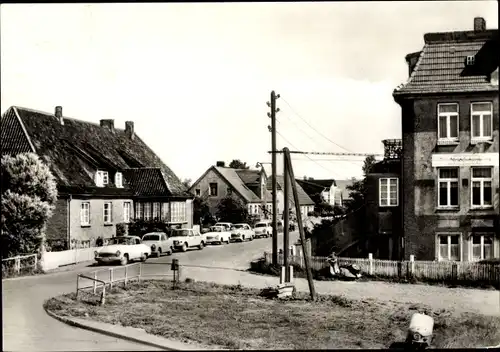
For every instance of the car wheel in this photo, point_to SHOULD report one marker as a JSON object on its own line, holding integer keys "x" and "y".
{"x": 144, "y": 256}
{"x": 201, "y": 245}
{"x": 184, "y": 247}
{"x": 124, "y": 260}
{"x": 159, "y": 252}
{"x": 228, "y": 241}
{"x": 243, "y": 238}
{"x": 251, "y": 238}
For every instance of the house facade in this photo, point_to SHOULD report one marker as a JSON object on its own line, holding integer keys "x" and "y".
{"x": 306, "y": 203}
{"x": 105, "y": 175}
{"x": 333, "y": 192}
{"x": 450, "y": 164}
{"x": 247, "y": 185}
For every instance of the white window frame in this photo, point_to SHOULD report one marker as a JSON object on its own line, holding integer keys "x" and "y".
{"x": 216, "y": 189}
{"x": 146, "y": 210}
{"x": 178, "y": 212}
{"x": 127, "y": 206}
{"x": 481, "y": 180}
{"x": 165, "y": 212}
{"x": 119, "y": 180}
{"x": 110, "y": 215}
{"x": 448, "y": 116}
{"x": 85, "y": 214}
{"x": 156, "y": 210}
{"x": 482, "y": 235}
{"x": 197, "y": 192}
{"x": 470, "y": 60}
{"x": 388, "y": 192}
{"x": 139, "y": 211}
{"x": 438, "y": 246}
{"x": 481, "y": 114}
{"x": 448, "y": 185}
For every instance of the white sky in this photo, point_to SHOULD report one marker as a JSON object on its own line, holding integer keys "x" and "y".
{"x": 195, "y": 78}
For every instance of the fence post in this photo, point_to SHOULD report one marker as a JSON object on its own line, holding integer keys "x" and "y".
{"x": 126, "y": 275}
{"x": 103, "y": 294}
{"x": 77, "y": 283}
{"x": 36, "y": 261}
{"x": 140, "y": 271}
{"x": 370, "y": 258}
{"x": 111, "y": 278}
{"x": 95, "y": 283}
{"x": 412, "y": 265}
{"x": 454, "y": 272}
{"x": 17, "y": 264}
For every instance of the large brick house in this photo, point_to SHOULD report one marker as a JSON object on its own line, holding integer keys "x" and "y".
{"x": 105, "y": 175}
{"x": 450, "y": 128}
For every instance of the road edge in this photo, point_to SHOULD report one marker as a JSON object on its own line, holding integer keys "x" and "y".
{"x": 77, "y": 324}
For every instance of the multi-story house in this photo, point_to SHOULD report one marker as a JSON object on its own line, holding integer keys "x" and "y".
{"x": 306, "y": 203}
{"x": 248, "y": 185}
{"x": 450, "y": 128}
{"x": 105, "y": 175}
{"x": 333, "y": 192}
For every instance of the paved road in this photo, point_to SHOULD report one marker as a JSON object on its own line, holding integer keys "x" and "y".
{"x": 26, "y": 326}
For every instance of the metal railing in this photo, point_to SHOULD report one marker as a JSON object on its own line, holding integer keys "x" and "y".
{"x": 17, "y": 262}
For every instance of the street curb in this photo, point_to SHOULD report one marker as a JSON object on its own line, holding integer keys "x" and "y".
{"x": 113, "y": 334}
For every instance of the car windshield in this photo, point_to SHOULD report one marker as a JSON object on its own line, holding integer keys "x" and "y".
{"x": 239, "y": 226}
{"x": 216, "y": 229}
{"x": 261, "y": 225}
{"x": 180, "y": 233}
{"x": 151, "y": 238}
{"x": 121, "y": 240}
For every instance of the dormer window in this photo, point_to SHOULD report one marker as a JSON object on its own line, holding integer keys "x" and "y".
{"x": 119, "y": 180}
{"x": 101, "y": 178}
{"x": 469, "y": 61}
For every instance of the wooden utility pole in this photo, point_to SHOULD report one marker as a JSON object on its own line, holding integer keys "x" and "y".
{"x": 289, "y": 173}
{"x": 272, "y": 129}
{"x": 286, "y": 214}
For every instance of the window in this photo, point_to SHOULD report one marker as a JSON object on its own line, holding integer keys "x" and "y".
{"x": 165, "y": 211}
{"x": 469, "y": 60}
{"x": 147, "y": 211}
{"x": 197, "y": 192}
{"x": 139, "y": 211}
{"x": 388, "y": 192}
{"x": 126, "y": 212}
{"x": 156, "y": 211}
{"x": 448, "y": 187}
{"x": 481, "y": 246}
{"x": 85, "y": 213}
{"x": 178, "y": 211}
{"x": 482, "y": 192}
{"x": 213, "y": 189}
{"x": 449, "y": 247}
{"x": 108, "y": 210}
{"x": 229, "y": 191}
{"x": 119, "y": 180}
{"x": 481, "y": 121}
{"x": 448, "y": 122}
{"x": 101, "y": 178}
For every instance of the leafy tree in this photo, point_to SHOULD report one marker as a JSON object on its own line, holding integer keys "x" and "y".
{"x": 187, "y": 182}
{"x": 231, "y": 209}
{"x": 29, "y": 194}
{"x": 139, "y": 227}
{"x": 238, "y": 164}
{"x": 201, "y": 210}
{"x": 357, "y": 191}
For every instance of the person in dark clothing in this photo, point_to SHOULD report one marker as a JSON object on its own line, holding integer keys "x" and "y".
{"x": 99, "y": 242}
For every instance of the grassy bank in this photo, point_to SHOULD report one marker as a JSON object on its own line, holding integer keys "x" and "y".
{"x": 236, "y": 317}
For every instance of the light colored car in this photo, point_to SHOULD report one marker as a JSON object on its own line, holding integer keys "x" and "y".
{"x": 123, "y": 249}
{"x": 187, "y": 238}
{"x": 263, "y": 229}
{"x": 159, "y": 243}
{"x": 242, "y": 232}
{"x": 227, "y": 225}
{"x": 217, "y": 234}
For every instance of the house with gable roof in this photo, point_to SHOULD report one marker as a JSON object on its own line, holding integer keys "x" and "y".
{"x": 105, "y": 175}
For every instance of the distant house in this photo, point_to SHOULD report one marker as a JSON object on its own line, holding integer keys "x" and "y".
{"x": 331, "y": 191}
{"x": 248, "y": 185}
{"x": 306, "y": 203}
{"x": 105, "y": 175}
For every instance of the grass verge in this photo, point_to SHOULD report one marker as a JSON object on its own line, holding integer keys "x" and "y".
{"x": 237, "y": 318}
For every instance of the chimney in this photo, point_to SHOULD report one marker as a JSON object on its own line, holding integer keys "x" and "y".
{"x": 220, "y": 164}
{"x": 411, "y": 60}
{"x": 58, "y": 114}
{"x": 108, "y": 123}
{"x": 479, "y": 24}
{"x": 129, "y": 129}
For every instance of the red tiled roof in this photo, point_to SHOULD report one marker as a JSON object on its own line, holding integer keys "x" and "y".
{"x": 441, "y": 67}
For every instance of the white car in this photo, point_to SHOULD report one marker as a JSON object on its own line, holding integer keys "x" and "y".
{"x": 227, "y": 225}
{"x": 159, "y": 243}
{"x": 217, "y": 234}
{"x": 187, "y": 238}
{"x": 242, "y": 232}
{"x": 123, "y": 249}
{"x": 263, "y": 229}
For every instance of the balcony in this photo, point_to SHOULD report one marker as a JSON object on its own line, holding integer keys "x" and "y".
{"x": 393, "y": 149}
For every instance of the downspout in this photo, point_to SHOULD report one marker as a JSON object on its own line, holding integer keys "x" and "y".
{"x": 69, "y": 221}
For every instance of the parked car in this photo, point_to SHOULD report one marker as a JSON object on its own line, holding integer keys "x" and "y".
{"x": 227, "y": 225}
{"x": 159, "y": 243}
{"x": 242, "y": 232}
{"x": 123, "y": 249}
{"x": 263, "y": 229}
{"x": 187, "y": 238}
{"x": 217, "y": 234}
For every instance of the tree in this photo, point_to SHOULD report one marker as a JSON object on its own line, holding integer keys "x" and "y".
{"x": 238, "y": 164}
{"x": 201, "y": 210}
{"x": 357, "y": 191}
{"x": 187, "y": 182}
{"x": 232, "y": 209}
{"x": 29, "y": 194}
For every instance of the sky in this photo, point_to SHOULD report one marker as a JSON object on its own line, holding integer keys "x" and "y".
{"x": 195, "y": 77}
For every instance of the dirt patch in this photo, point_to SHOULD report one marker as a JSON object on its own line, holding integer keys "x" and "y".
{"x": 235, "y": 317}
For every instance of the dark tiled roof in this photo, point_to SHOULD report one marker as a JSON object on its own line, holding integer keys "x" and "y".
{"x": 313, "y": 190}
{"x": 249, "y": 176}
{"x": 304, "y": 199}
{"x": 441, "y": 66}
{"x": 13, "y": 137}
{"x": 77, "y": 148}
{"x": 146, "y": 181}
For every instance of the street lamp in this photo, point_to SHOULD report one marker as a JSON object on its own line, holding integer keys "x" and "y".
{"x": 263, "y": 189}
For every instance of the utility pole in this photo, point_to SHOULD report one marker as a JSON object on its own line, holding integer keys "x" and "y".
{"x": 272, "y": 129}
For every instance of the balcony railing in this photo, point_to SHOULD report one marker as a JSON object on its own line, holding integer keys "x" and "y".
{"x": 393, "y": 148}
